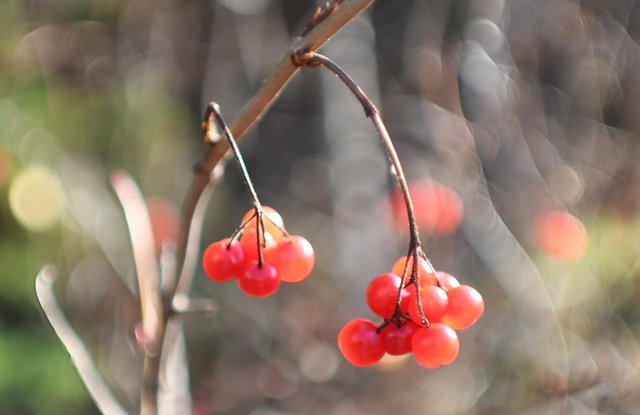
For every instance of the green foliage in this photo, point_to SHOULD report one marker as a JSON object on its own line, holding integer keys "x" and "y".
{"x": 36, "y": 373}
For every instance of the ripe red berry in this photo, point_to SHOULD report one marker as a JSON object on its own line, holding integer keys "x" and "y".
{"x": 447, "y": 280}
{"x": 397, "y": 340}
{"x": 435, "y": 346}
{"x": 426, "y": 276}
{"x": 465, "y": 307}
{"x": 293, "y": 257}
{"x": 359, "y": 343}
{"x": 221, "y": 262}
{"x": 259, "y": 281}
{"x": 434, "y": 303}
{"x": 249, "y": 243}
{"x": 382, "y": 295}
{"x": 269, "y": 225}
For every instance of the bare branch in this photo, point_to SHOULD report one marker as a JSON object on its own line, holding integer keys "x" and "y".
{"x": 97, "y": 388}
{"x": 183, "y": 305}
{"x": 261, "y": 102}
{"x": 192, "y": 248}
{"x": 144, "y": 255}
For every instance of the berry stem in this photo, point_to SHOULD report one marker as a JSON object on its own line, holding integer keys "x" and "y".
{"x": 317, "y": 33}
{"x": 260, "y": 231}
{"x": 239, "y": 230}
{"x": 306, "y": 58}
{"x": 213, "y": 109}
{"x": 416, "y": 281}
{"x": 370, "y": 110}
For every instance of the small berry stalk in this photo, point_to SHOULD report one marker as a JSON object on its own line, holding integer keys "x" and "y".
{"x": 420, "y": 306}
{"x": 259, "y": 254}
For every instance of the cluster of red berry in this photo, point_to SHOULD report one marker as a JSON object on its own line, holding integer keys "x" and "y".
{"x": 447, "y": 306}
{"x": 263, "y": 256}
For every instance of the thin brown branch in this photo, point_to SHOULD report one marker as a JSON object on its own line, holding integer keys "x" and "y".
{"x": 260, "y": 103}
{"x": 217, "y": 151}
{"x": 370, "y": 110}
{"x": 97, "y": 388}
{"x": 415, "y": 250}
{"x": 320, "y": 14}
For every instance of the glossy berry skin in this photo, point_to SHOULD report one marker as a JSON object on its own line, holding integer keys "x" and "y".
{"x": 249, "y": 243}
{"x": 435, "y": 346}
{"x": 426, "y": 277}
{"x": 447, "y": 281}
{"x": 270, "y": 218}
{"x": 382, "y": 295}
{"x": 464, "y": 309}
{"x": 222, "y": 263}
{"x": 397, "y": 340}
{"x": 259, "y": 281}
{"x": 293, "y": 257}
{"x": 434, "y": 303}
{"x": 360, "y": 344}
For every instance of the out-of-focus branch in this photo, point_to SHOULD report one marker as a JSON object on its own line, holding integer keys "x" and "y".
{"x": 144, "y": 255}
{"x": 322, "y": 26}
{"x": 192, "y": 248}
{"x": 97, "y": 388}
{"x": 148, "y": 277}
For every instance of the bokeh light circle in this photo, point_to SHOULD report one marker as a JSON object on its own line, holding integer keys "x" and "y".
{"x": 36, "y": 198}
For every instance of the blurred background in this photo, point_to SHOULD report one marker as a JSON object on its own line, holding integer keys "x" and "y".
{"x": 518, "y": 126}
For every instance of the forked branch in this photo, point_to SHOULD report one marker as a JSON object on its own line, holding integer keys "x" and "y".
{"x": 317, "y": 34}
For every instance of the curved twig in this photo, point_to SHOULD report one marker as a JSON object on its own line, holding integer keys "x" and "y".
{"x": 97, "y": 388}
{"x": 192, "y": 246}
{"x": 148, "y": 277}
{"x": 260, "y": 103}
{"x": 144, "y": 255}
{"x": 304, "y": 58}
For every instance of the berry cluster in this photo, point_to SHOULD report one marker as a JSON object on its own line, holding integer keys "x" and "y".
{"x": 419, "y": 317}
{"x": 259, "y": 255}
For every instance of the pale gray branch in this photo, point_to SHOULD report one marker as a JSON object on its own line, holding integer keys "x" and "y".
{"x": 144, "y": 255}
{"x": 97, "y": 388}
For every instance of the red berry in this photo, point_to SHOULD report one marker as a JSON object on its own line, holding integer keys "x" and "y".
{"x": 221, "y": 262}
{"x": 397, "y": 340}
{"x": 165, "y": 221}
{"x": 382, "y": 295}
{"x": 438, "y": 209}
{"x": 293, "y": 257}
{"x": 269, "y": 225}
{"x": 434, "y": 303}
{"x": 447, "y": 280}
{"x": 249, "y": 243}
{"x": 426, "y": 276}
{"x": 560, "y": 235}
{"x": 435, "y": 346}
{"x": 259, "y": 281}
{"x": 465, "y": 307}
{"x": 359, "y": 343}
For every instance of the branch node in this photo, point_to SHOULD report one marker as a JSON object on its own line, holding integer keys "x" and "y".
{"x": 320, "y": 14}
{"x": 301, "y": 55}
